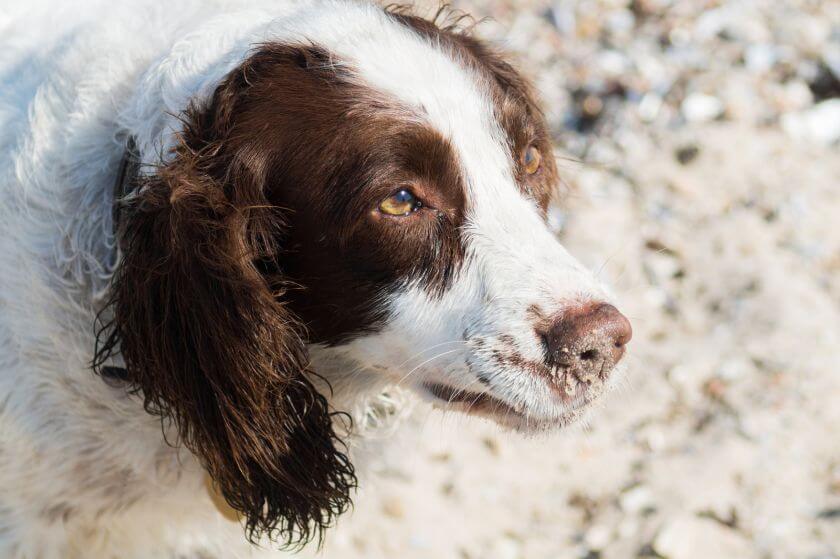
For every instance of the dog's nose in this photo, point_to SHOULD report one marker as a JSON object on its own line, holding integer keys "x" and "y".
{"x": 588, "y": 340}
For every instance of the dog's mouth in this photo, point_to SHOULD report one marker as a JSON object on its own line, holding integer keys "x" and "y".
{"x": 482, "y": 404}
{"x": 570, "y": 394}
{"x": 479, "y": 404}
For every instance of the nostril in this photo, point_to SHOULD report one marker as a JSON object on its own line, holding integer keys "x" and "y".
{"x": 591, "y": 336}
{"x": 589, "y": 355}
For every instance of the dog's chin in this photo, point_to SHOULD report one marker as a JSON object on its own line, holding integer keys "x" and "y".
{"x": 493, "y": 408}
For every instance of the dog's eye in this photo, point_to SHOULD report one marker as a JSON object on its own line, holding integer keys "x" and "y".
{"x": 402, "y": 202}
{"x": 531, "y": 159}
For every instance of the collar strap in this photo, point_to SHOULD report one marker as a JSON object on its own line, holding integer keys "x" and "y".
{"x": 125, "y": 184}
{"x": 126, "y": 180}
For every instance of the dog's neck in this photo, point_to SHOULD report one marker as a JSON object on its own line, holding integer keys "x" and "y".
{"x": 375, "y": 402}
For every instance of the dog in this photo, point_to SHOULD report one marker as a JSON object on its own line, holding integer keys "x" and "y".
{"x": 227, "y": 229}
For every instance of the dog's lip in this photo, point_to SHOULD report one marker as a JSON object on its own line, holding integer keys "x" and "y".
{"x": 494, "y": 408}
{"x": 470, "y": 402}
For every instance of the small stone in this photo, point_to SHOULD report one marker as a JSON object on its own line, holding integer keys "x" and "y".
{"x": 505, "y": 548}
{"x": 760, "y": 58}
{"x": 829, "y": 513}
{"x": 393, "y": 508}
{"x": 654, "y": 438}
{"x": 621, "y": 22}
{"x": 690, "y": 537}
{"x": 711, "y": 23}
{"x": 591, "y": 106}
{"x": 715, "y": 389}
{"x": 636, "y": 500}
{"x": 441, "y": 457}
{"x": 820, "y": 124}
{"x": 492, "y": 445}
{"x": 735, "y": 368}
{"x": 825, "y": 85}
{"x": 649, "y": 107}
{"x": 613, "y": 63}
{"x": 687, "y": 154}
{"x": 699, "y": 107}
{"x": 562, "y": 17}
{"x": 598, "y": 537}
{"x": 797, "y": 96}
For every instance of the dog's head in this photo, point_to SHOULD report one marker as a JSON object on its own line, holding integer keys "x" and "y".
{"x": 372, "y": 199}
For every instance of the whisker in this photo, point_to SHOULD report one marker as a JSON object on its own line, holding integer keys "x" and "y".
{"x": 421, "y": 352}
{"x": 615, "y": 253}
{"x": 426, "y": 362}
{"x": 446, "y": 408}
{"x": 464, "y": 390}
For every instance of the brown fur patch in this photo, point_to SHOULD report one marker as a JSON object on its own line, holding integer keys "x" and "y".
{"x": 206, "y": 336}
{"x": 336, "y": 149}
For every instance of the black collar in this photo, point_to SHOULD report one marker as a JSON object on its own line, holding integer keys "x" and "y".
{"x": 124, "y": 185}
{"x": 126, "y": 179}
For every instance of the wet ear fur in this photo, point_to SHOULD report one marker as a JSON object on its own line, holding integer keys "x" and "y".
{"x": 198, "y": 315}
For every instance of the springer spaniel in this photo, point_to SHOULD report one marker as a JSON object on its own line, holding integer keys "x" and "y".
{"x": 249, "y": 218}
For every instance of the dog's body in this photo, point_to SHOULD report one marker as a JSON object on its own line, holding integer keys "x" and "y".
{"x": 85, "y": 469}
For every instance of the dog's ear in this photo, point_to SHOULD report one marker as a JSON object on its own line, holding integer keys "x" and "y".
{"x": 198, "y": 315}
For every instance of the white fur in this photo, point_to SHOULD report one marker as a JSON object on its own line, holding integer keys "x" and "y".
{"x": 84, "y": 471}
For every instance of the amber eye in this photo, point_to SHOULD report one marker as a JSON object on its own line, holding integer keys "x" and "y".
{"x": 531, "y": 159}
{"x": 402, "y": 202}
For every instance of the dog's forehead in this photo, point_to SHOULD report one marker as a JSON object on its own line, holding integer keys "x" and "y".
{"x": 431, "y": 77}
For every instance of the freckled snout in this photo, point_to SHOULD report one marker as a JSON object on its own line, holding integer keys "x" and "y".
{"x": 588, "y": 340}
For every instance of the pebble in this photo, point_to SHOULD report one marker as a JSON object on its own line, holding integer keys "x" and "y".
{"x": 686, "y": 154}
{"x": 505, "y": 548}
{"x": 562, "y": 17}
{"x": 735, "y": 368}
{"x": 636, "y": 500}
{"x": 621, "y": 21}
{"x": 598, "y": 537}
{"x": 613, "y": 64}
{"x": 690, "y": 537}
{"x": 649, "y": 107}
{"x": 699, "y": 107}
{"x": 654, "y": 438}
{"x": 393, "y": 507}
{"x": 819, "y": 124}
{"x": 760, "y": 58}
{"x": 797, "y": 95}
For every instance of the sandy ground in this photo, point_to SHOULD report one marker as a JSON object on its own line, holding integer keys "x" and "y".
{"x": 703, "y": 173}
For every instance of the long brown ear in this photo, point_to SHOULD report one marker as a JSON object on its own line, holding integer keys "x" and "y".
{"x": 198, "y": 316}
